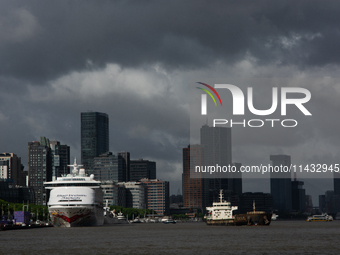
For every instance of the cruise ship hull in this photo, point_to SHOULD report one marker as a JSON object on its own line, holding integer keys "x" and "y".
{"x": 76, "y": 216}
{"x": 77, "y": 200}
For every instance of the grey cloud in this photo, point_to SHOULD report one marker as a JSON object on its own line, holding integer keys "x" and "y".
{"x": 175, "y": 34}
{"x": 47, "y": 42}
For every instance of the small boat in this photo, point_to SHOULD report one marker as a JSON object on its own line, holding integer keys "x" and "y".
{"x": 322, "y": 217}
{"x": 275, "y": 216}
{"x": 121, "y": 216}
{"x": 169, "y": 222}
{"x": 151, "y": 220}
{"x": 137, "y": 220}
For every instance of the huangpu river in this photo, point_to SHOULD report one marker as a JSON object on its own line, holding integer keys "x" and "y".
{"x": 281, "y": 237}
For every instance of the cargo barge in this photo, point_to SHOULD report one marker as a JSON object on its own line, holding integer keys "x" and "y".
{"x": 253, "y": 218}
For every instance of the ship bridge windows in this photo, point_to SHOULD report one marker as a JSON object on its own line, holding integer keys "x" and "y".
{"x": 70, "y": 200}
{"x": 72, "y": 184}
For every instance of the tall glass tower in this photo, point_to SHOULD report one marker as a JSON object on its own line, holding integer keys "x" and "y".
{"x": 216, "y": 143}
{"x": 280, "y": 184}
{"x": 39, "y": 169}
{"x": 94, "y": 137}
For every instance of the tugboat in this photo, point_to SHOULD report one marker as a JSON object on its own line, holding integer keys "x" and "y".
{"x": 253, "y": 218}
{"x": 221, "y": 213}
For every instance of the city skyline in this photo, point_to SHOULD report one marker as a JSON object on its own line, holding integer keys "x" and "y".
{"x": 139, "y": 70}
{"x": 248, "y": 87}
{"x": 119, "y": 153}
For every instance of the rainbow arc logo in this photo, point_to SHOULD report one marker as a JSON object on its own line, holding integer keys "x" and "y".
{"x": 209, "y": 93}
{"x": 204, "y": 97}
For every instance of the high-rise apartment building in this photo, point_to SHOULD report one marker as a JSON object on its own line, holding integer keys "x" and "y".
{"x": 157, "y": 195}
{"x": 4, "y": 169}
{"x": 280, "y": 184}
{"x": 110, "y": 192}
{"x": 60, "y": 156}
{"x": 192, "y": 183}
{"x": 135, "y": 194}
{"x": 14, "y": 170}
{"x": 94, "y": 137}
{"x": 140, "y": 169}
{"x": 39, "y": 169}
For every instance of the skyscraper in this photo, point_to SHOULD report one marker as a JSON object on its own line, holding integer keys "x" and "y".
{"x": 109, "y": 167}
{"x": 336, "y": 181}
{"x": 217, "y": 145}
{"x": 4, "y": 169}
{"x": 126, "y": 157}
{"x": 298, "y": 196}
{"x": 192, "y": 183}
{"x": 60, "y": 156}
{"x": 141, "y": 168}
{"x": 39, "y": 169}
{"x": 280, "y": 184}
{"x": 94, "y": 137}
{"x": 235, "y": 180}
{"x": 135, "y": 194}
{"x": 157, "y": 198}
{"x": 14, "y": 169}
{"x": 216, "y": 142}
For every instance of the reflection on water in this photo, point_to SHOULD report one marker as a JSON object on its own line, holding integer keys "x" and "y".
{"x": 291, "y": 237}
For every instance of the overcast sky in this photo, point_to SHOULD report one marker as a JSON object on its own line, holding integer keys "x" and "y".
{"x": 136, "y": 61}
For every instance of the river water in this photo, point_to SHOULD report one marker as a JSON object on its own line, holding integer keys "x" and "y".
{"x": 281, "y": 237}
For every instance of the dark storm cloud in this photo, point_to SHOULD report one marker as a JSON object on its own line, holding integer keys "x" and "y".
{"x": 45, "y": 39}
{"x": 136, "y": 59}
{"x": 146, "y": 115}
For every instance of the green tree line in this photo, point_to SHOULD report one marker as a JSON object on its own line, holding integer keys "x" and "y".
{"x": 32, "y": 208}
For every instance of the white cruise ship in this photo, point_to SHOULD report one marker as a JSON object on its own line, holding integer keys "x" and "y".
{"x": 75, "y": 200}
